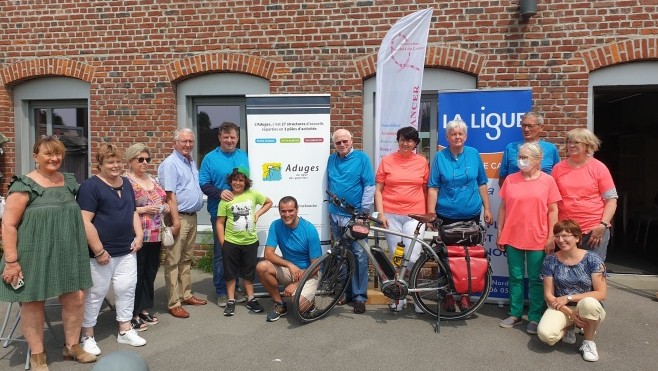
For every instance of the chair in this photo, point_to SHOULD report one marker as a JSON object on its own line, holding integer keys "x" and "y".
{"x": 648, "y": 217}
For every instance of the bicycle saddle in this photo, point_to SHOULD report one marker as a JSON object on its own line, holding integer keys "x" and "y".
{"x": 423, "y": 218}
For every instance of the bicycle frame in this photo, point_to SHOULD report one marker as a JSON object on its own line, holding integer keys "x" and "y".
{"x": 415, "y": 238}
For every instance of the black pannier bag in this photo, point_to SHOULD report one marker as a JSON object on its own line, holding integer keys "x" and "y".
{"x": 467, "y": 233}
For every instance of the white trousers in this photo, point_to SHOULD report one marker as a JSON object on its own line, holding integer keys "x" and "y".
{"x": 121, "y": 272}
{"x": 406, "y": 225}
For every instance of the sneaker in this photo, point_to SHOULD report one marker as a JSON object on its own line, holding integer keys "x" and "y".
{"x": 222, "y": 300}
{"x": 570, "y": 336}
{"x": 359, "y": 307}
{"x": 230, "y": 308}
{"x": 588, "y": 349}
{"x": 398, "y": 305}
{"x": 449, "y": 304}
{"x": 254, "y": 306}
{"x": 510, "y": 322}
{"x": 278, "y": 310}
{"x": 89, "y": 345}
{"x": 532, "y": 328}
{"x": 418, "y": 309}
{"x": 239, "y": 297}
{"x": 130, "y": 337}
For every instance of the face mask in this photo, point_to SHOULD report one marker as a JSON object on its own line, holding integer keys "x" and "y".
{"x": 523, "y": 164}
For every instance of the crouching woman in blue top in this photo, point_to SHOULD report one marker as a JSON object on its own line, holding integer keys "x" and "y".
{"x": 574, "y": 286}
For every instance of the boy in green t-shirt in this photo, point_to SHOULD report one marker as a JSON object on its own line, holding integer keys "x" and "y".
{"x": 236, "y": 230}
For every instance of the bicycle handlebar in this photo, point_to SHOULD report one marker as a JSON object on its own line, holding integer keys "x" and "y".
{"x": 350, "y": 209}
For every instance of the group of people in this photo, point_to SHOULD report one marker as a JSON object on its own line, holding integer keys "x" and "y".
{"x": 108, "y": 230}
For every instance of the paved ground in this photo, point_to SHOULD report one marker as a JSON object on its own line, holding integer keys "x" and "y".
{"x": 628, "y": 339}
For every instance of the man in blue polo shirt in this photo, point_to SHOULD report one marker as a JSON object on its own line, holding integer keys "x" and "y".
{"x": 299, "y": 243}
{"x": 179, "y": 177}
{"x": 350, "y": 177}
{"x": 532, "y": 124}
{"x": 215, "y": 167}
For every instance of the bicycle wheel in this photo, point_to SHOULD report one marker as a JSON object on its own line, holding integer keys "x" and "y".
{"x": 334, "y": 273}
{"x": 431, "y": 275}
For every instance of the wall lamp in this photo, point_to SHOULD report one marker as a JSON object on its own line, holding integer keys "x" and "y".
{"x": 527, "y": 8}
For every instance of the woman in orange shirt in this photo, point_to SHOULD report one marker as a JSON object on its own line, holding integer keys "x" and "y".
{"x": 400, "y": 190}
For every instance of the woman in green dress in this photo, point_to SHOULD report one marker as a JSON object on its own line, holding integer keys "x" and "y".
{"x": 45, "y": 247}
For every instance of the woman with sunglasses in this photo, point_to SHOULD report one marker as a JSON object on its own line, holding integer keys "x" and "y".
{"x": 150, "y": 200}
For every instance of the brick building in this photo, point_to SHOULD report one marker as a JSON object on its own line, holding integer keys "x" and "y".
{"x": 129, "y": 71}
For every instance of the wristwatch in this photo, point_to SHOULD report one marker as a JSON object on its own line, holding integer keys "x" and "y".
{"x": 570, "y": 298}
{"x": 606, "y": 225}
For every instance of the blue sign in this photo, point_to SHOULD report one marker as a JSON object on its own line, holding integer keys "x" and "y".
{"x": 489, "y": 114}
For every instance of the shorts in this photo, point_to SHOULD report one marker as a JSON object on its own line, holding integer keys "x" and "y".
{"x": 239, "y": 260}
{"x": 284, "y": 278}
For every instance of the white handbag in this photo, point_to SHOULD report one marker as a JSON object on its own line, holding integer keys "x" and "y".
{"x": 166, "y": 236}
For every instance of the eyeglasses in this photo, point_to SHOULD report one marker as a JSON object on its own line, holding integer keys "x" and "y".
{"x": 185, "y": 141}
{"x": 573, "y": 142}
{"x": 142, "y": 159}
{"x": 529, "y": 126}
{"x": 339, "y": 142}
{"x": 562, "y": 236}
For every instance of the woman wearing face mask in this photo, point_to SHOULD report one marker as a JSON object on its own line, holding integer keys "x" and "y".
{"x": 588, "y": 191}
{"x": 526, "y": 216}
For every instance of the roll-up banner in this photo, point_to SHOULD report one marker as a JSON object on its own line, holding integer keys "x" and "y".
{"x": 400, "y": 66}
{"x": 288, "y": 150}
{"x": 493, "y": 118}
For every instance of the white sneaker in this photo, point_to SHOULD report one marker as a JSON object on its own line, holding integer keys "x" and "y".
{"x": 398, "y": 305}
{"x": 88, "y": 344}
{"x": 130, "y": 337}
{"x": 588, "y": 349}
{"x": 570, "y": 336}
{"x": 418, "y": 309}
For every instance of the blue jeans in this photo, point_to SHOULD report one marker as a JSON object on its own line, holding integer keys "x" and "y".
{"x": 217, "y": 263}
{"x": 357, "y": 290}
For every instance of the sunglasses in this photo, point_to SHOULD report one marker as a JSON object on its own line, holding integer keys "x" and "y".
{"x": 142, "y": 159}
{"x": 339, "y": 142}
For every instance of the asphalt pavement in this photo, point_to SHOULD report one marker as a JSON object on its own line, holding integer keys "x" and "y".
{"x": 378, "y": 339}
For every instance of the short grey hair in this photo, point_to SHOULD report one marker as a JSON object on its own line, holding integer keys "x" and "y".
{"x": 534, "y": 149}
{"x": 341, "y": 131}
{"x": 533, "y": 115}
{"x": 456, "y": 124}
{"x": 134, "y": 150}
{"x": 183, "y": 130}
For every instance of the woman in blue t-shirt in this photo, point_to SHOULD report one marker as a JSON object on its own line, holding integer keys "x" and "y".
{"x": 574, "y": 286}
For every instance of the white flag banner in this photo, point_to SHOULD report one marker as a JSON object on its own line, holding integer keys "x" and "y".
{"x": 400, "y": 64}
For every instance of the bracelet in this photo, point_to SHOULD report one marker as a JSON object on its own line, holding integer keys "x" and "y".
{"x": 8, "y": 262}
{"x": 100, "y": 254}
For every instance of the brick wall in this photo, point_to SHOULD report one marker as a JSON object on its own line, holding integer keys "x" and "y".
{"x": 134, "y": 52}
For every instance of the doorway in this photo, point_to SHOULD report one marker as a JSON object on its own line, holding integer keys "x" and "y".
{"x": 624, "y": 120}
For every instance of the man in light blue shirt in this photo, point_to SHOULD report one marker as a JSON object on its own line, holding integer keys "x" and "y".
{"x": 350, "y": 176}
{"x": 532, "y": 124}
{"x": 215, "y": 167}
{"x": 179, "y": 177}
{"x": 299, "y": 243}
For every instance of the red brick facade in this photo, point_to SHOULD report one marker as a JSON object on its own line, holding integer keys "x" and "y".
{"x": 133, "y": 53}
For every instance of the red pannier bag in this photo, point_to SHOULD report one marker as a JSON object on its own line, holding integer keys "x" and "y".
{"x": 468, "y": 268}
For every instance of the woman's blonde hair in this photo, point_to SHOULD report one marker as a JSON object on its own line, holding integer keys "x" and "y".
{"x": 105, "y": 151}
{"x": 134, "y": 151}
{"x": 585, "y": 136}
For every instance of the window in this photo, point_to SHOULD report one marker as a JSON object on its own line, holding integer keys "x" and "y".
{"x": 68, "y": 121}
{"x": 53, "y": 106}
{"x": 210, "y": 112}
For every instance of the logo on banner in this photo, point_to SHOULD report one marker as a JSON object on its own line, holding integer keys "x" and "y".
{"x": 400, "y": 45}
{"x": 271, "y": 171}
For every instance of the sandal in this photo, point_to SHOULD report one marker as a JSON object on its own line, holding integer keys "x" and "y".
{"x": 138, "y": 325}
{"x": 148, "y": 318}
